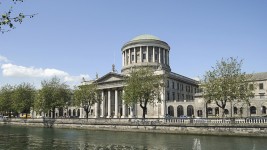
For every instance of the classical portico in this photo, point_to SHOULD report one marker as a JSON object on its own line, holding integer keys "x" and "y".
{"x": 112, "y": 105}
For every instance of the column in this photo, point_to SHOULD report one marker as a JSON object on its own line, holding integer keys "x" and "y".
{"x": 163, "y": 103}
{"x": 132, "y": 111}
{"x": 123, "y": 58}
{"x": 96, "y": 110}
{"x": 129, "y": 56}
{"x": 109, "y": 105}
{"x": 159, "y": 55}
{"x": 103, "y": 112}
{"x": 123, "y": 107}
{"x": 147, "y": 54}
{"x": 163, "y": 50}
{"x": 116, "y": 104}
{"x": 153, "y": 54}
{"x": 167, "y": 57}
{"x": 141, "y": 54}
{"x": 135, "y": 55}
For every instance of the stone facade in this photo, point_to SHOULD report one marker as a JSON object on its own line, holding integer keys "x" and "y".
{"x": 180, "y": 97}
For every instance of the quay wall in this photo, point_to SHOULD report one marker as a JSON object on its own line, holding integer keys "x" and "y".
{"x": 228, "y": 127}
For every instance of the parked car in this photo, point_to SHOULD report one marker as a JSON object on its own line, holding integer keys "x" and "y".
{"x": 183, "y": 116}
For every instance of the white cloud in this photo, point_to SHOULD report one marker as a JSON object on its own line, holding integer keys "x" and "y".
{"x": 3, "y": 59}
{"x": 196, "y": 78}
{"x": 11, "y": 70}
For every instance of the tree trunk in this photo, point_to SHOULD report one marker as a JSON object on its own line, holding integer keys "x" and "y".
{"x": 144, "y": 112}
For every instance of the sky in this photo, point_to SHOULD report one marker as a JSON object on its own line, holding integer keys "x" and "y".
{"x": 76, "y": 39}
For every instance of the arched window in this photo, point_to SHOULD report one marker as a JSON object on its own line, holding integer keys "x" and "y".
{"x": 170, "y": 111}
{"x": 74, "y": 112}
{"x": 78, "y": 112}
{"x": 190, "y": 110}
{"x": 235, "y": 110}
{"x": 263, "y": 110}
{"x": 60, "y": 111}
{"x": 253, "y": 110}
{"x": 180, "y": 111}
{"x": 69, "y": 112}
{"x": 226, "y": 111}
{"x": 209, "y": 110}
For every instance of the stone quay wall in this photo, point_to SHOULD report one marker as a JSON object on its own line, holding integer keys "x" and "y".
{"x": 218, "y": 126}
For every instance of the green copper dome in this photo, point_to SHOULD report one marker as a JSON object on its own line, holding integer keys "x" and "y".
{"x": 145, "y": 37}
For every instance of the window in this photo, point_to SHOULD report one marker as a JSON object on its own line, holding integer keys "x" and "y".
{"x": 182, "y": 96}
{"x": 178, "y": 86}
{"x": 180, "y": 111}
{"x": 209, "y": 110}
{"x": 261, "y": 86}
{"x": 182, "y": 87}
{"x": 178, "y": 96}
{"x": 263, "y": 110}
{"x": 173, "y": 95}
{"x": 172, "y": 85}
{"x": 251, "y": 86}
{"x": 132, "y": 57}
{"x": 168, "y": 83}
{"x": 253, "y": 110}
{"x": 168, "y": 96}
{"x": 235, "y": 110}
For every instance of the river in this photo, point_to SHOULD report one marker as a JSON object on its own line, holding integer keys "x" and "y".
{"x": 22, "y": 138}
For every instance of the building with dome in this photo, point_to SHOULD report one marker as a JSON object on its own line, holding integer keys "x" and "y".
{"x": 180, "y": 97}
{"x": 145, "y": 51}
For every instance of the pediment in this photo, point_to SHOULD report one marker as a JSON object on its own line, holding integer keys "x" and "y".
{"x": 110, "y": 77}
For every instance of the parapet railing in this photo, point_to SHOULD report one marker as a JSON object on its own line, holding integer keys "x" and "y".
{"x": 49, "y": 122}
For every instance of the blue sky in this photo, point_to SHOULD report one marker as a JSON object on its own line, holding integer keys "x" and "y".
{"x": 73, "y": 39}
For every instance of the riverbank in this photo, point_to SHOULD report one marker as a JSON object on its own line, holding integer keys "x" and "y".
{"x": 182, "y": 126}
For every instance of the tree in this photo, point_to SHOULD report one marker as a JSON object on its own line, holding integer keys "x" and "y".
{"x": 86, "y": 95}
{"x": 8, "y": 19}
{"x": 227, "y": 83}
{"x": 143, "y": 87}
{"x": 23, "y": 97}
{"x": 6, "y": 100}
{"x": 52, "y": 95}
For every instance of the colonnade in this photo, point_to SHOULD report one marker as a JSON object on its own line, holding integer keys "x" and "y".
{"x": 112, "y": 106}
{"x": 145, "y": 54}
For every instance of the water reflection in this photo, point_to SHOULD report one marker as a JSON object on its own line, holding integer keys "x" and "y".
{"x": 47, "y": 138}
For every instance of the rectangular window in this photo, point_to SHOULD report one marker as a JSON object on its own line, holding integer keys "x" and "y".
{"x": 178, "y": 86}
{"x": 261, "y": 86}
{"x": 182, "y": 96}
{"x": 168, "y": 96}
{"x": 173, "y": 95}
{"x": 168, "y": 83}
{"x": 251, "y": 86}
{"x": 182, "y": 87}
{"x": 132, "y": 57}
{"x": 172, "y": 85}
{"x": 178, "y": 96}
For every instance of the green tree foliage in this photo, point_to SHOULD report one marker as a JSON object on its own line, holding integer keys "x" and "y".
{"x": 143, "y": 87}
{"x": 87, "y": 96}
{"x": 52, "y": 95}
{"x": 23, "y": 96}
{"x": 8, "y": 18}
{"x": 6, "y": 101}
{"x": 227, "y": 83}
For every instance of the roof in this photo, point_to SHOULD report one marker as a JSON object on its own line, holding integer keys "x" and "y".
{"x": 145, "y": 37}
{"x": 259, "y": 76}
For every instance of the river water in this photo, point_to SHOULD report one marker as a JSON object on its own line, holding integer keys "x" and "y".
{"x": 23, "y": 138}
